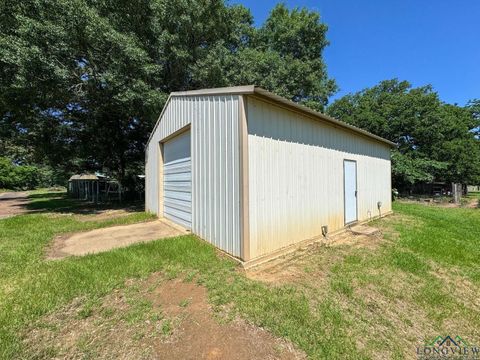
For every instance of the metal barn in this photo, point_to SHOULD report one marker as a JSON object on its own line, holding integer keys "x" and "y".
{"x": 255, "y": 174}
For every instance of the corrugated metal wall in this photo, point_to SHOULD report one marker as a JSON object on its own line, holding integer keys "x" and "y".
{"x": 215, "y": 165}
{"x": 296, "y": 176}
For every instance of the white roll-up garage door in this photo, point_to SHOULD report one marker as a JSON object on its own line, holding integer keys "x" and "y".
{"x": 177, "y": 180}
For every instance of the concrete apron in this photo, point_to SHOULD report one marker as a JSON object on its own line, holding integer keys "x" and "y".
{"x": 100, "y": 240}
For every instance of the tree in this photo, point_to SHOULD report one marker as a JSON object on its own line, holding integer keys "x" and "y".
{"x": 434, "y": 140}
{"x": 82, "y": 82}
{"x": 286, "y": 57}
{"x": 408, "y": 170}
{"x": 283, "y": 56}
{"x": 473, "y": 106}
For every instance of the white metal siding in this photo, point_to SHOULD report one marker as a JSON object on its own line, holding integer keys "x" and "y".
{"x": 296, "y": 176}
{"x": 177, "y": 176}
{"x": 215, "y": 165}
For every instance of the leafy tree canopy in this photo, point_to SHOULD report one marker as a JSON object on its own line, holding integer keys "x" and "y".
{"x": 435, "y": 141}
{"x": 82, "y": 82}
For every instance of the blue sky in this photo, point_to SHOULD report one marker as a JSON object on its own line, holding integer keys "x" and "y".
{"x": 422, "y": 41}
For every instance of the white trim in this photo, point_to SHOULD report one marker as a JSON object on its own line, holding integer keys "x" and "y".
{"x": 246, "y": 89}
{"x": 158, "y": 121}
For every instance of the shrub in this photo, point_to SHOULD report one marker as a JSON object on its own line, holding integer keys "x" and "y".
{"x": 6, "y": 173}
{"x": 14, "y": 176}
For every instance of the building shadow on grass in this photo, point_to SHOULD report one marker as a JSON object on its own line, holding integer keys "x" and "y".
{"x": 60, "y": 203}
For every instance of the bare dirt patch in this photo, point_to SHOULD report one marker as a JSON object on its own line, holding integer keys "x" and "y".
{"x": 441, "y": 202}
{"x": 99, "y": 240}
{"x": 87, "y": 214}
{"x": 103, "y": 215}
{"x": 199, "y": 335}
{"x": 312, "y": 261}
{"x": 284, "y": 269}
{"x": 13, "y": 203}
{"x": 473, "y": 204}
{"x": 152, "y": 319}
{"x": 465, "y": 202}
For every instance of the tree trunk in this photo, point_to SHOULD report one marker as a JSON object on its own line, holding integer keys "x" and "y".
{"x": 457, "y": 192}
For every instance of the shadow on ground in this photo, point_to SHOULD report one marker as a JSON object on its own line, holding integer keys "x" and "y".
{"x": 61, "y": 203}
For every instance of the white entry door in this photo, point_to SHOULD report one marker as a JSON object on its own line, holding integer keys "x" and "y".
{"x": 350, "y": 190}
{"x": 177, "y": 180}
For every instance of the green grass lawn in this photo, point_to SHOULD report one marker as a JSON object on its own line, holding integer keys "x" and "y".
{"x": 349, "y": 302}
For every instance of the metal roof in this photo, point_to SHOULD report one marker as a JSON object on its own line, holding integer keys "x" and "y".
{"x": 262, "y": 93}
{"x": 84, "y": 177}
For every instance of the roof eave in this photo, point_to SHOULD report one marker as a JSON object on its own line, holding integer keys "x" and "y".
{"x": 233, "y": 90}
{"x": 256, "y": 90}
{"x": 276, "y": 98}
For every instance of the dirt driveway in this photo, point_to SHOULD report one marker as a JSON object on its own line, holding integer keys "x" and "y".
{"x": 13, "y": 203}
{"x": 99, "y": 240}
